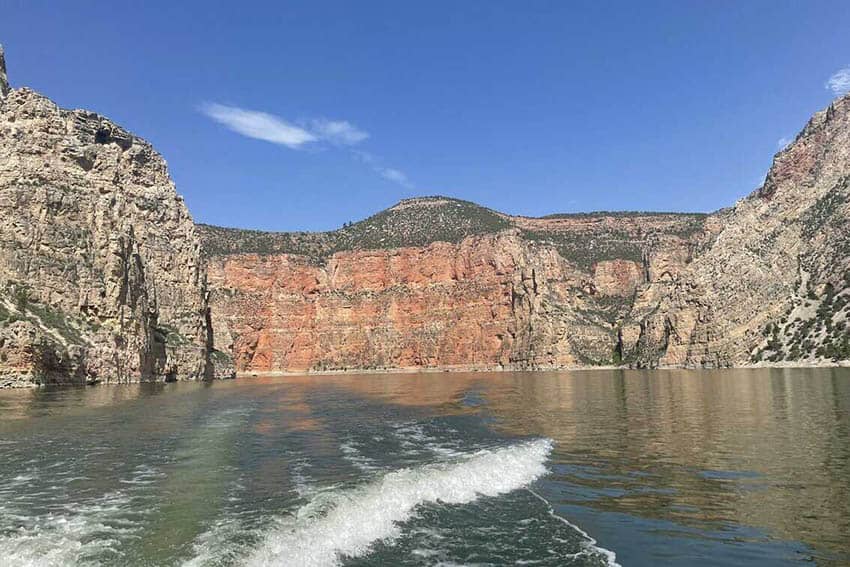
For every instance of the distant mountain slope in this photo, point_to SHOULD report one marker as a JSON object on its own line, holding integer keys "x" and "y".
{"x": 438, "y": 282}
{"x": 104, "y": 276}
{"x": 412, "y": 222}
{"x": 773, "y": 285}
{"x": 584, "y": 238}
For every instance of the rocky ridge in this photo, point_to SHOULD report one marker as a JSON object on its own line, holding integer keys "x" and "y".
{"x": 780, "y": 250}
{"x": 436, "y": 282}
{"x": 100, "y": 271}
{"x": 104, "y": 276}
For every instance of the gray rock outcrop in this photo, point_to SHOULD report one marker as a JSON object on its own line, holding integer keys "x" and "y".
{"x": 100, "y": 278}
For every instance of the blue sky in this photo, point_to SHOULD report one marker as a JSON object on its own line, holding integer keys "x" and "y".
{"x": 305, "y": 115}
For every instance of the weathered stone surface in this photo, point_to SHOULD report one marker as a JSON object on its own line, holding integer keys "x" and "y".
{"x": 491, "y": 301}
{"x": 100, "y": 277}
{"x": 765, "y": 280}
{"x": 618, "y": 277}
{"x": 789, "y": 239}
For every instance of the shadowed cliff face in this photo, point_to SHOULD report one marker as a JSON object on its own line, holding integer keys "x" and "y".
{"x": 4, "y": 82}
{"x": 100, "y": 275}
{"x": 436, "y": 282}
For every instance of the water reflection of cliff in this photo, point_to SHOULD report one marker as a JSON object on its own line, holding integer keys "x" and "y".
{"x": 769, "y": 449}
{"x": 708, "y": 450}
{"x": 35, "y": 402}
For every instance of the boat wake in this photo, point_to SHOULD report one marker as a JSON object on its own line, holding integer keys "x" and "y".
{"x": 348, "y": 523}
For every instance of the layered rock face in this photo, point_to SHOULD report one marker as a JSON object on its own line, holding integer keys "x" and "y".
{"x": 100, "y": 277}
{"x": 488, "y": 301}
{"x": 775, "y": 282}
{"x": 436, "y": 282}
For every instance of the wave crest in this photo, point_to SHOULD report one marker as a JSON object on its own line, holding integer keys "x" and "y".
{"x": 362, "y": 516}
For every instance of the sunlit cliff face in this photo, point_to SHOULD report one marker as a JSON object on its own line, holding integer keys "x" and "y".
{"x": 436, "y": 282}
{"x": 487, "y": 302}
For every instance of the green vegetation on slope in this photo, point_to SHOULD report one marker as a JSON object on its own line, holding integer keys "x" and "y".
{"x": 586, "y": 250}
{"x": 414, "y": 222}
{"x": 816, "y": 327}
{"x": 424, "y": 220}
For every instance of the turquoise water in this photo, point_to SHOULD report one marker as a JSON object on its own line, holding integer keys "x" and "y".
{"x": 581, "y": 468}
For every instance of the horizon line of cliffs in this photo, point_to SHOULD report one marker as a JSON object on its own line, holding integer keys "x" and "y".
{"x": 764, "y": 282}
{"x": 105, "y": 277}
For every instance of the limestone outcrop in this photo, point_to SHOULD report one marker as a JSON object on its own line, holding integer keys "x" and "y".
{"x": 100, "y": 272}
{"x": 772, "y": 286}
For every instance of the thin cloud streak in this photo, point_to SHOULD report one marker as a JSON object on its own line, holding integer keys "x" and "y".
{"x": 340, "y": 132}
{"x": 258, "y": 125}
{"x": 839, "y": 82}
{"x": 396, "y": 176}
{"x": 388, "y": 173}
{"x": 270, "y": 128}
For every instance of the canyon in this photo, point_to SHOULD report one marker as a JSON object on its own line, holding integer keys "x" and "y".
{"x": 487, "y": 300}
{"x": 441, "y": 283}
{"x": 104, "y": 276}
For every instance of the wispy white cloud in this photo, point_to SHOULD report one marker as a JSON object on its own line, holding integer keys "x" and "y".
{"x": 339, "y": 132}
{"x": 395, "y": 176}
{"x": 274, "y": 129}
{"x": 783, "y": 142}
{"x": 839, "y": 82}
{"x": 388, "y": 173}
{"x": 259, "y": 125}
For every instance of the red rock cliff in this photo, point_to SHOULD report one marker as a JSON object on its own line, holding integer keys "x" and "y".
{"x": 499, "y": 300}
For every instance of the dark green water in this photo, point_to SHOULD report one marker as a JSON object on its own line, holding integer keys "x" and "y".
{"x": 660, "y": 468}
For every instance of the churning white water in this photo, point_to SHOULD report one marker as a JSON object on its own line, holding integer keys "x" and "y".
{"x": 359, "y": 517}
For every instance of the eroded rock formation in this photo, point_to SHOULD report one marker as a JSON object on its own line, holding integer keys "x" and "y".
{"x": 436, "y": 282}
{"x": 551, "y": 298}
{"x": 781, "y": 252}
{"x": 100, "y": 277}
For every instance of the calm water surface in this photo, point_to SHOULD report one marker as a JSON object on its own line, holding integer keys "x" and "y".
{"x": 583, "y": 468}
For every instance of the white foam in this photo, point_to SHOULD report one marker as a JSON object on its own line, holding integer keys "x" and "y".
{"x": 72, "y": 532}
{"x": 589, "y": 543}
{"x": 413, "y": 438}
{"x": 352, "y": 454}
{"x": 66, "y": 538}
{"x": 216, "y": 545}
{"x": 358, "y": 518}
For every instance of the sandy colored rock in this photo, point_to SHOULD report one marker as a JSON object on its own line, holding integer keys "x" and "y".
{"x": 99, "y": 260}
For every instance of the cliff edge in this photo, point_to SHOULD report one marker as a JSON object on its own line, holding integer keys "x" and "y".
{"x": 100, "y": 271}
{"x": 435, "y": 282}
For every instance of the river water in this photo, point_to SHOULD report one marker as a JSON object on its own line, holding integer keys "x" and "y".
{"x": 689, "y": 468}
